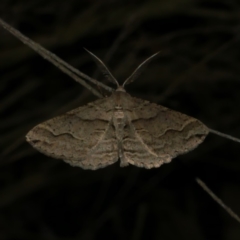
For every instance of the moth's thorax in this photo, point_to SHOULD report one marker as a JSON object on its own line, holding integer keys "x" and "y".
{"x": 119, "y": 117}
{"x": 120, "y": 109}
{"x": 119, "y": 121}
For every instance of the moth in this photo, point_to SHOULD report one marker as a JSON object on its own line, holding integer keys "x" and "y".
{"x": 118, "y": 127}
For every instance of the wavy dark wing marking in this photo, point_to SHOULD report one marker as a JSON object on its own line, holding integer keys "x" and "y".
{"x": 157, "y": 134}
{"x": 82, "y": 137}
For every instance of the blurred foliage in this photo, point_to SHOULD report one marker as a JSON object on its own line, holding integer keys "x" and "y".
{"x": 197, "y": 73}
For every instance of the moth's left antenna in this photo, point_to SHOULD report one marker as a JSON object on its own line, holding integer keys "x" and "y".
{"x": 103, "y": 68}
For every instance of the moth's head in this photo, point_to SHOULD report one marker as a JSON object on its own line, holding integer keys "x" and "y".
{"x": 120, "y": 89}
{"x": 108, "y": 75}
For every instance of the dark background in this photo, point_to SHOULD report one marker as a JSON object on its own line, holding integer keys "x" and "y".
{"x": 197, "y": 73}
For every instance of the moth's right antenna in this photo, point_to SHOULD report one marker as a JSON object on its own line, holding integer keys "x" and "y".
{"x": 103, "y": 68}
{"x": 139, "y": 70}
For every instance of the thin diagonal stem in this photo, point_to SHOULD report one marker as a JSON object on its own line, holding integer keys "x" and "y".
{"x": 224, "y": 135}
{"x": 58, "y": 62}
{"x": 217, "y": 199}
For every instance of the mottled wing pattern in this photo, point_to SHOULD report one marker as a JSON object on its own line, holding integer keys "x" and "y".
{"x": 83, "y": 137}
{"x": 157, "y": 134}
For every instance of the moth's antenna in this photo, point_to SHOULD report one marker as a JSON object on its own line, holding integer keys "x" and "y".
{"x": 103, "y": 68}
{"x": 139, "y": 70}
